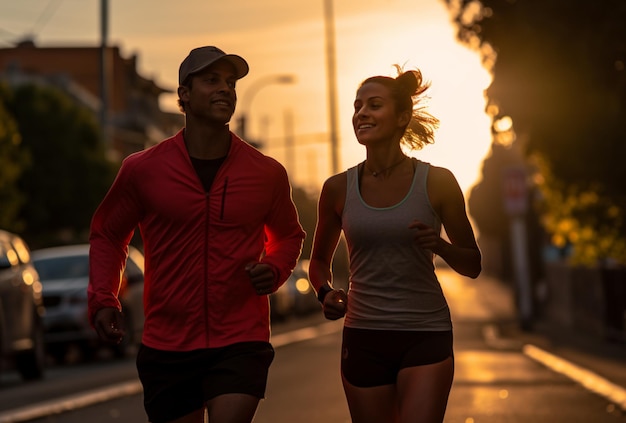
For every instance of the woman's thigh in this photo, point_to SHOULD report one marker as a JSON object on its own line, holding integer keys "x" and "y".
{"x": 378, "y": 404}
{"x": 423, "y": 391}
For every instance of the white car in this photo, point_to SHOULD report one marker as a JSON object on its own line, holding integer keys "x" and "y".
{"x": 64, "y": 275}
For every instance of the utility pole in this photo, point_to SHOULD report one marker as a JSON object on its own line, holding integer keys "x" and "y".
{"x": 104, "y": 74}
{"x": 516, "y": 204}
{"x": 332, "y": 84}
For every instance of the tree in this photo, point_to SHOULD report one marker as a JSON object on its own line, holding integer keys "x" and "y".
{"x": 559, "y": 73}
{"x": 13, "y": 161}
{"x": 69, "y": 173}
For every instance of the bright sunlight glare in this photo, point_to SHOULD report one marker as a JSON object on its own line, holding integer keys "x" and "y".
{"x": 277, "y": 37}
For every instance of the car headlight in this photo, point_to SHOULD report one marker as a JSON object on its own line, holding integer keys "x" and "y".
{"x": 303, "y": 286}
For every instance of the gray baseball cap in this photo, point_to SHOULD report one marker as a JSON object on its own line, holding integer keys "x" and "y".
{"x": 201, "y": 57}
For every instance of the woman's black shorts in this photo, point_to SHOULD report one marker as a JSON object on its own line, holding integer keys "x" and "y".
{"x": 176, "y": 383}
{"x": 374, "y": 357}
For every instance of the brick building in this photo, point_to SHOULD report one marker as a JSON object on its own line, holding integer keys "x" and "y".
{"x": 134, "y": 118}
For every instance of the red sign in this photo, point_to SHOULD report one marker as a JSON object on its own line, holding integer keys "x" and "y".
{"x": 515, "y": 190}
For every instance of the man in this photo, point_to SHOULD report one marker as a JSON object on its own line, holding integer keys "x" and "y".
{"x": 220, "y": 233}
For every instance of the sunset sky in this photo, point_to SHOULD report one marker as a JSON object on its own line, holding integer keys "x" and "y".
{"x": 279, "y": 37}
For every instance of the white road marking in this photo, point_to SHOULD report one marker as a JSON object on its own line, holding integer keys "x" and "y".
{"x": 595, "y": 383}
{"x": 590, "y": 380}
{"x": 85, "y": 399}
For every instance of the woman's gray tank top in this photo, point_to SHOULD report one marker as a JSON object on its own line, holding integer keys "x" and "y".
{"x": 392, "y": 281}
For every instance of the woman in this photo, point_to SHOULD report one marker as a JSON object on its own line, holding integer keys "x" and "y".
{"x": 397, "y": 361}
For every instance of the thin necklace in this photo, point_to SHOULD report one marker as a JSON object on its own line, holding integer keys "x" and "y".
{"x": 375, "y": 173}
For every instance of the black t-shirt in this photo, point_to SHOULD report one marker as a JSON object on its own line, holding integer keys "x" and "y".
{"x": 207, "y": 169}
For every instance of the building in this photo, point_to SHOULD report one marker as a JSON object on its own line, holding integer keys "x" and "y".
{"x": 133, "y": 116}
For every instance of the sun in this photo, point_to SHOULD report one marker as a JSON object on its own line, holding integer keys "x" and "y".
{"x": 456, "y": 96}
{"x": 370, "y": 40}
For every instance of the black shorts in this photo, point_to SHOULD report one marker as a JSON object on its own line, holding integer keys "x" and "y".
{"x": 374, "y": 357}
{"x": 176, "y": 383}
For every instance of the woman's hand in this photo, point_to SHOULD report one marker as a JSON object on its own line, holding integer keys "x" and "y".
{"x": 335, "y": 304}
{"x": 425, "y": 236}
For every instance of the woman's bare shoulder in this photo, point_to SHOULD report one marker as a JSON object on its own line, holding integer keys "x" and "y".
{"x": 334, "y": 192}
{"x": 336, "y": 183}
{"x": 443, "y": 187}
{"x": 439, "y": 172}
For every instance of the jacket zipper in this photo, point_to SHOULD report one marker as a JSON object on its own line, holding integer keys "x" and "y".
{"x": 207, "y": 324}
{"x": 223, "y": 199}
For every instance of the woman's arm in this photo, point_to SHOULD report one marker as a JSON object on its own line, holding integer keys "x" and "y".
{"x": 461, "y": 253}
{"x": 326, "y": 238}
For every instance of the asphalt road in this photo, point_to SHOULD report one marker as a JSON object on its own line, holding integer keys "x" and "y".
{"x": 502, "y": 374}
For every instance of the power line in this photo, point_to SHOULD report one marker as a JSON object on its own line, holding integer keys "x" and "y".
{"x": 45, "y": 16}
{"x": 8, "y": 34}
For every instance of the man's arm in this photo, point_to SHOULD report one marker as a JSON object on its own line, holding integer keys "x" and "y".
{"x": 112, "y": 228}
{"x": 285, "y": 235}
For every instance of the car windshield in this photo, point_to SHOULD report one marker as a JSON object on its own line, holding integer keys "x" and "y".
{"x": 62, "y": 267}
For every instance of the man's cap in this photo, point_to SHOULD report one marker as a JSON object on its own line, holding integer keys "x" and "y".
{"x": 202, "y": 57}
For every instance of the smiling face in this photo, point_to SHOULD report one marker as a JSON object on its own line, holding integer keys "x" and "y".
{"x": 211, "y": 95}
{"x": 375, "y": 119}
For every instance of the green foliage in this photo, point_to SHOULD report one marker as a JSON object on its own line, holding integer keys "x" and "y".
{"x": 559, "y": 72}
{"x": 589, "y": 219}
{"x": 13, "y": 161}
{"x": 69, "y": 174}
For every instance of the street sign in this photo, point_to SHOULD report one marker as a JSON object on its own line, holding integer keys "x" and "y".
{"x": 515, "y": 189}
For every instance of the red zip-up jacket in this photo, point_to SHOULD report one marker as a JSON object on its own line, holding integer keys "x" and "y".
{"x": 197, "y": 293}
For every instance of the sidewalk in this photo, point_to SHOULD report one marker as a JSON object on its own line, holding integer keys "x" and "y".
{"x": 606, "y": 358}
{"x": 591, "y": 356}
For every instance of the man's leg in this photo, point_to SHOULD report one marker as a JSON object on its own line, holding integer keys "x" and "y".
{"x": 236, "y": 384}
{"x": 232, "y": 408}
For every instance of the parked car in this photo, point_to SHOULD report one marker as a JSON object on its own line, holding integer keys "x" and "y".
{"x": 295, "y": 297}
{"x": 64, "y": 275}
{"x": 21, "y": 309}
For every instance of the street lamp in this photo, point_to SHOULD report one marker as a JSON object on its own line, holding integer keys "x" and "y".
{"x": 252, "y": 90}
